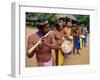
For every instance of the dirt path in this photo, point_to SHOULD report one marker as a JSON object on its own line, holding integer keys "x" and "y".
{"x": 83, "y": 58}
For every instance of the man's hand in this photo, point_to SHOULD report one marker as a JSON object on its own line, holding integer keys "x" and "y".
{"x": 29, "y": 55}
{"x": 44, "y": 42}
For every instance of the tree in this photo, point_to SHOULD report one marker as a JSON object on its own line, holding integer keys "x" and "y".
{"x": 83, "y": 19}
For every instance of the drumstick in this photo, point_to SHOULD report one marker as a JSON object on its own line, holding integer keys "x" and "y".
{"x": 39, "y": 42}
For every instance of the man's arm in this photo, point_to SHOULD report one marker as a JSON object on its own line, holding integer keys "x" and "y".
{"x": 53, "y": 44}
{"x": 30, "y": 45}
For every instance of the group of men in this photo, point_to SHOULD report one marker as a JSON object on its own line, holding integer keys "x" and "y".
{"x": 54, "y": 41}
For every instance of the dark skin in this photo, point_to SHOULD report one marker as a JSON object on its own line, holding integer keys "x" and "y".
{"x": 78, "y": 34}
{"x": 74, "y": 34}
{"x": 58, "y": 37}
{"x": 43, "y": 51}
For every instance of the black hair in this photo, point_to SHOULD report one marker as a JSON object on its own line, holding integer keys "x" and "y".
{"x": 64, "y": 25}
{"x": 78, "y": 23}
{"x": 41, "y": 24}
{"x": 57, "y": 25}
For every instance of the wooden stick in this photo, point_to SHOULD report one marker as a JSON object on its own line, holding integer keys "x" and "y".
{"x": 39, "y": 42}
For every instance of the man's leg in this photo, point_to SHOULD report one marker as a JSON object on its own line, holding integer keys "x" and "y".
{"x": 56, "y": 60}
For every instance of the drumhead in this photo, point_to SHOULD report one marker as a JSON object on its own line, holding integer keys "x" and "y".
{"x": 66, "y": 46}
{"x": 71, "y": 37}
{"x": 83, "y": 36}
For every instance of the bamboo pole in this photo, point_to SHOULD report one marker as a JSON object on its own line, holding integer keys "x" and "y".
{"x": 39, "y": 42}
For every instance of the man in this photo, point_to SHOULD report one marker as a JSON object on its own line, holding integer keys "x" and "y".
{"x": 77, "y": 42}
{"x": 58, "y": 35}
{"x": 43, "y": 51}
{"x": 69, "y": 38}
{"x": 85, "y": 31}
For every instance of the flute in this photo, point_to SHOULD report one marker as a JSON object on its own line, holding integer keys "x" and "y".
{"x": 39, "y": 42}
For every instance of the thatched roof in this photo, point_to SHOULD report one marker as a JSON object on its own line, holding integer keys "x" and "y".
{"x": 66, "y": 15}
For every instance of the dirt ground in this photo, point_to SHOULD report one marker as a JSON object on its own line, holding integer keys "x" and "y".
{"x": 75, "y": 59}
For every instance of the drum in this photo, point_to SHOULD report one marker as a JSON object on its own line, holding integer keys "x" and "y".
{"x": 67, "y": 46}
{"x": 82, "y": 36}
{"x": 71, "y": 37}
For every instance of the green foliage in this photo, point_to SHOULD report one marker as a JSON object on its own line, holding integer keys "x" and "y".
{"x": 48, "y": 16}
{"x": 83, "y": 19}
{"x": 51, "y": 17}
